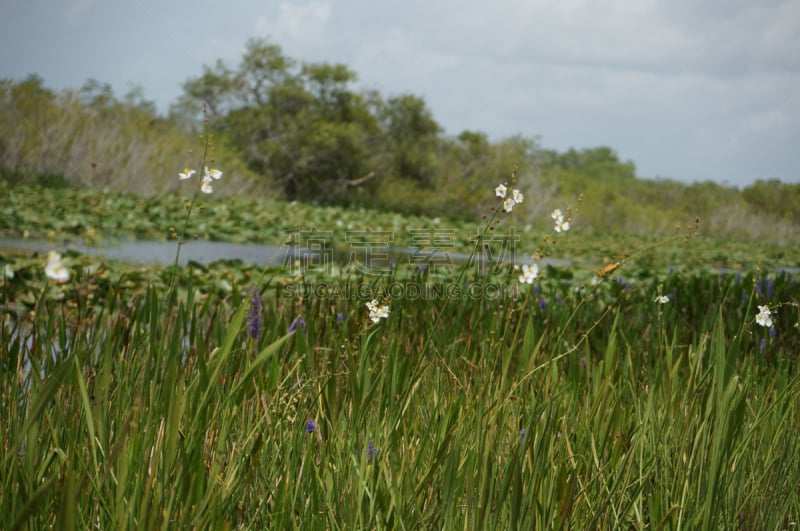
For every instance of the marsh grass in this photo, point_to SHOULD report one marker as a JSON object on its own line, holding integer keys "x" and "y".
{"x": 138, "y": 413}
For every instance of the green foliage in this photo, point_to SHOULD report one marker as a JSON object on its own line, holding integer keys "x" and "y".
{"x": 774, "y": 199}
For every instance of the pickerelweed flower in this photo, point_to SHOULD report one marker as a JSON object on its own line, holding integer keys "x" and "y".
{"x": 55, "y": 270}
{"x": 311, "y": 426}
{"x": 662, "y": 299}
{"x": 529, "y": 273}
{"x": 522, "y": 433}
{"x": 376, "y": 313}
{"x": 254, "y": 318}
{"x": 298, "y": 321}
{"x": 372, "y": 452}
{"x": 764, "y": 317}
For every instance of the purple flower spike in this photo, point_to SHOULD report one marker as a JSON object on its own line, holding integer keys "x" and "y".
{"x": 311, "y": 426}
{"x": 254, "y": 318}
{"x": 298, "y": 321}
{"x": 371, "y": 451}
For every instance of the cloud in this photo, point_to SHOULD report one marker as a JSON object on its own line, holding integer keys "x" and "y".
{"x": 293, "y": 23}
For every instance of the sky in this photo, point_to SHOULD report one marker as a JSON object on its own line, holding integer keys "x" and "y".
{"x": 691, "y": 90}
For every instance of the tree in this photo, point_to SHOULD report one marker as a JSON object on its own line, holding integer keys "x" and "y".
{"x": 411, "y": 138}
{"x": 300, "y": 124}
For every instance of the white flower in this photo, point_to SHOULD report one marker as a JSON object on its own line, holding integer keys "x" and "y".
{"x": 8, "y": 272}
{"x": 662, "y": 299}
{"x": 186, "y": 174}
{"x": 55, "y": 270}
{"x": 517, "y": 196}
{"x": 764, "y": 317}
{"x": 213, "y": 173}
{"x": 508, "y": 204}
{"x": 500, "y": 191}
{"x": 209, "y": 175}
{"x": 529, "y": 273}
{"x": 561, "y": 223}
{"x": 376, "y": 313}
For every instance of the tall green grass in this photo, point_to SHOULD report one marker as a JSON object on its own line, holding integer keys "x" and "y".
{"x": 142, "y": 411}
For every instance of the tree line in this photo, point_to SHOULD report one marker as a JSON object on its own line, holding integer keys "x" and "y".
{"x": 303, "y": 131}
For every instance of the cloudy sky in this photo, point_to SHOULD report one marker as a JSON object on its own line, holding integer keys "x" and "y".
{"x": 686, "y": 89}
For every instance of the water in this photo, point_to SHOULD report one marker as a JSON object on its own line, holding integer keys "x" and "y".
{"x": 151, "y": 252}
{"x": 204, "y": 252}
